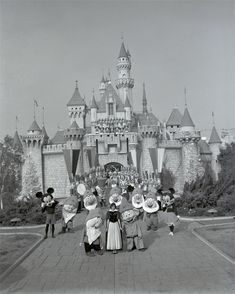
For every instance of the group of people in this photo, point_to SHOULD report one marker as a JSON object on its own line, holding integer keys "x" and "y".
{"x": 129, "y": 205}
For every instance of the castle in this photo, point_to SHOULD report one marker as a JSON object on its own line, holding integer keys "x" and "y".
{"x": 108, "y": 131}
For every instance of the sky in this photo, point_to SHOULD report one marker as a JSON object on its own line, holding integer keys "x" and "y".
{"x": 46, "y": 45}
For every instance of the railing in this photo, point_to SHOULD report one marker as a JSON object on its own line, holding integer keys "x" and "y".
{"x": 57, "y": 148}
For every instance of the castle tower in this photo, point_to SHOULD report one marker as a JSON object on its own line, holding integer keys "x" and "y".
{"x": 127, "y": 107}
{"x": 215, "y": 144}
{"x": 74, "y": 147}
{"x": 103, "y": 86}
{"x": 17, "y": 144}
{"x": 144, "y": 101}
{"x": 189, "y": 137}
{"x": 94, "y": 109}
{"x": 32, "y": 171}
{"x": 174, "y": 122}
{"x": 124, "y": 83}
{"x": 77, "y": 108}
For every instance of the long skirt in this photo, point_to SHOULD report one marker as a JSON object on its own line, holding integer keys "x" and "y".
{"x": 114, "y": 238}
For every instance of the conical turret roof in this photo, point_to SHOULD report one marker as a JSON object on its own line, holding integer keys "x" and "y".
{"x": 74, "y": 125}
{"x": 174, "y": 118}
{"x": 214, "y": 138}
{"x": 123, "y": 52}
{"x": 16, "y": 142}
{"x": 93, "y": 103}
{"x": 127, "y": 102}
{"x": 186, "y": 119}
{"x": 76, "y": 99}
{"x": 44, "y": 132}
{"x": 34, "y": 127}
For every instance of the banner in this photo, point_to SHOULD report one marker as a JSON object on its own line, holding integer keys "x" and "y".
{"x": 133, "y": 155}
{"x": 75, "y": 157}
{"x": 138, "y": 155}
{"x": 68, "y": 162}
{"x": 153, "y": 155}
{"x": 129, "y": 158}
{"x": 89, "y": 157}
{"x": 160, "y": 158}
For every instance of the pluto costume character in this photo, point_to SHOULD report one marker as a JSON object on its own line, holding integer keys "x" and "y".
{"x": 132, "y": 228}
{"x": 151, "y": 208}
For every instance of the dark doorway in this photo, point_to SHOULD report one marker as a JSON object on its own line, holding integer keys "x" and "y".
{"x": 113, "y": 166}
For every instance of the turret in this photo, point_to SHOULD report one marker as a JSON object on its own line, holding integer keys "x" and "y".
{"x": 127, "y": 107}
{"x": 32, "y": 173}
{"x": 17, "y": 144}
{"x": 77, "y": 108}
{"x": 124, "y": 83}
{"x": 215, "y": 144}
{"x": 189, "y": 137}
{"x": 144, "y": 101}
{"x": 174, "y": 122}
{"x": 103, "y": 86}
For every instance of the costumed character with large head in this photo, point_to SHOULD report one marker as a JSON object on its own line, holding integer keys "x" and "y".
{"x": 69, "y": 210}
{"x": 137, "y": 201}
{"x": 170, "y": 210}
{"x": 131, "y": 228}
{"x": 91, "y": 236}
{"x": 151, "y": 208}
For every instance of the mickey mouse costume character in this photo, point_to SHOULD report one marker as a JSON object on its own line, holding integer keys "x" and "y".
{"x": 132, "y": 228}
{"x": 48, "y": 205}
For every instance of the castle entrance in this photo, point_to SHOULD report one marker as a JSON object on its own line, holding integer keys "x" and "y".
{"x": 113, "y": 166}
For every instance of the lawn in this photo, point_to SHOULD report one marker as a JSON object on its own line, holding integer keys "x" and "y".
{"x": 13, "y": 246}
{"x": 223, "y": 237}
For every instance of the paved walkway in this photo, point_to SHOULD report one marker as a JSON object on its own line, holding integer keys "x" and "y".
{"x": 179, "y": 264}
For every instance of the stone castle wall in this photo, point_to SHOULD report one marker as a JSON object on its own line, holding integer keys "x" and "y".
{"x": 214, "y": 162}
{"x": 55, "y": 174}
{"x": 192, "y": 166}
{"x": 173, "y": 162}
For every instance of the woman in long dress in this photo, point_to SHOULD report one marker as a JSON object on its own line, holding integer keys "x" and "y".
{"x": 113, "y": 226}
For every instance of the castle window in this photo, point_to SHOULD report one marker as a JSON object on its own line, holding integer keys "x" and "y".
{"x": 110, "y": 108}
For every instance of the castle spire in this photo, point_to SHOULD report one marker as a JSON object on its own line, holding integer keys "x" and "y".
{"x": 145, "y": 110}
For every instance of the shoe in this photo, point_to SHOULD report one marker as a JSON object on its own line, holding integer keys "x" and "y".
{"x": 70, "y": 231}
{"x": 53, "y": 236}
{"x": 45, "y": 237}
{"x": 142, "y": 249}
{"x": 171, "y": 234}
{"x": 99, "y": 252}
{"x": 90, "y": 254}
{"x": 114, "y": 251}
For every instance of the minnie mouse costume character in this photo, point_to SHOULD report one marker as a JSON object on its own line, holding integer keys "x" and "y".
{"x": 170, "y": 210}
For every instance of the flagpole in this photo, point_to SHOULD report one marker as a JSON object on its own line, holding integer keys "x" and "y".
{"x": 34, "y": 116}
{"x": 43, "y": 116}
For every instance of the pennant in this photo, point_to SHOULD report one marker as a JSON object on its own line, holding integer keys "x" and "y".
{"x": 129, "y": 159}
{"x": 96, "y": 160}
{"x": 68, "y": 162}
{"x": 160, "y": 157}
{"x": 133, "y": 155}
{"x": 89, "y": 157}
{"x": 138, "y": 155}
{"x": 75, "y": 156}
{"x": 153, "y": 155}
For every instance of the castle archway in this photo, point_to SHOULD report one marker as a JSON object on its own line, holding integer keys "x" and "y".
{"x": 113, "y": 166}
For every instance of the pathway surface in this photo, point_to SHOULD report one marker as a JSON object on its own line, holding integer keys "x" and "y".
{"x": 179, "y": 264}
